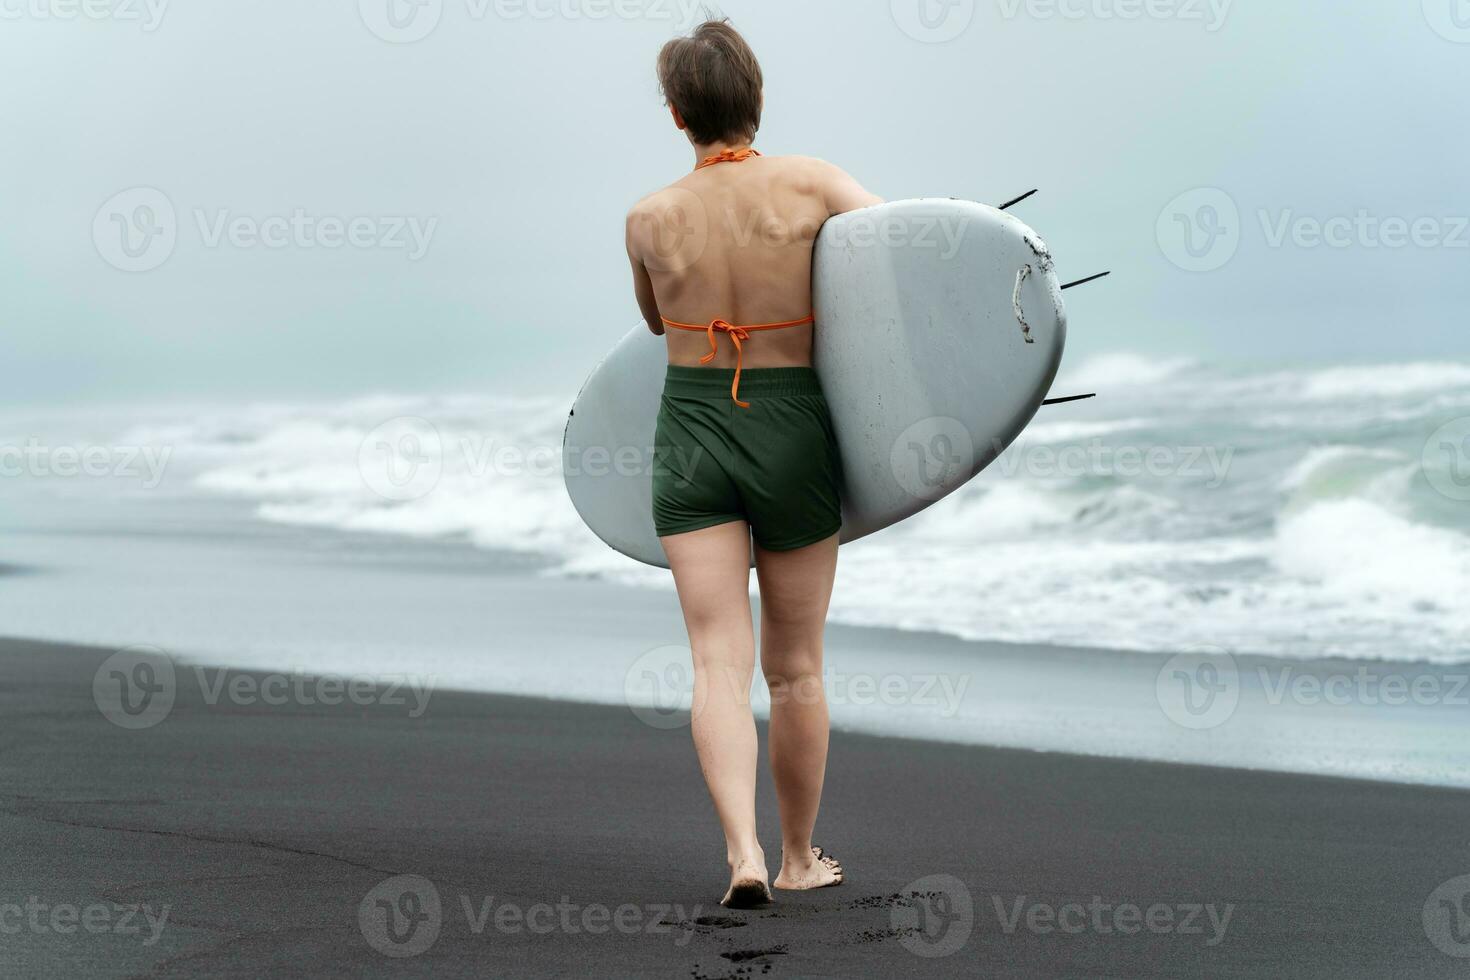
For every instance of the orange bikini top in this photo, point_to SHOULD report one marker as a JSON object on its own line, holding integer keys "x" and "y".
{"x": 737, "y": 335}
{"x": 729, "y": 156}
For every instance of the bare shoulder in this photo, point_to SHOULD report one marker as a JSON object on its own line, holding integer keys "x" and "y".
{"x": 650, "y": 212}
{"x": 814, "y": 170}
{"x": 651, "y": 205}
{"x": 835, "y": 186}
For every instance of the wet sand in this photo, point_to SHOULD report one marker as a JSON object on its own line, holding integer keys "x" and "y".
{"x": 495, "y": 836}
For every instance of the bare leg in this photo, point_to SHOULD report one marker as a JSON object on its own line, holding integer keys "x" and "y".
{"x": 796, "y": 587}
{"x": 712, "y": 572}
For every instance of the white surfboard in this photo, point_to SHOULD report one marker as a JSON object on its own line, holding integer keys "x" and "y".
{"x": 940, "y": 328}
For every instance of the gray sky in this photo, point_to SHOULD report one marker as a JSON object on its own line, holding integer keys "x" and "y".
{"x": 514, "y": 135}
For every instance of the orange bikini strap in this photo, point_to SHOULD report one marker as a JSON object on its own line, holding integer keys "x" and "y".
{"x": 737, "y": 335}
{"x": 729, "y": 156}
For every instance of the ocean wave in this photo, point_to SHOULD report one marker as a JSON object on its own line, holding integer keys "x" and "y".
{"x": 1319, "y": 541}
{"x": 1355, "y": 389}
{"x": 1382, "y": 381}
{"x": 1363, "y": 558}
{"x": 495, "y": 473}
{"x": 1051, "y": 433}
{"x": 1123, "y": 370}
{"x": 1324, "y": 466}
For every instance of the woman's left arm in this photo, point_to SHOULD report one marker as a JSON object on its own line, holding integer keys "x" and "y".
{"x": 642, "y": 281}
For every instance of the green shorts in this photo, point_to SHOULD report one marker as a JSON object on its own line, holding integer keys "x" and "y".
{"x": 774, "y": 464}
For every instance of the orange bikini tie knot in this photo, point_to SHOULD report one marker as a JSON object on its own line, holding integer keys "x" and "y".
{"x": 738, "y": 336}
{"x": 729, "y": 156}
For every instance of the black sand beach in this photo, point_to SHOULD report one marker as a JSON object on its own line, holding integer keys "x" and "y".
{"x": 244, "y": 839}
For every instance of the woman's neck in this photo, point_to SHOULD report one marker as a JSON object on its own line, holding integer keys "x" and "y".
{"x": 703, "y": 151}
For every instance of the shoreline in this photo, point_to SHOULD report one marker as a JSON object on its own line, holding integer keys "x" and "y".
{"x": 265, "y": 831}
{"x": 1381, "y": 722}
{"x": 258, "y": 596}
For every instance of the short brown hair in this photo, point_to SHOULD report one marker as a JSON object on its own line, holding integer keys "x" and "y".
{"x": 714, "y": 80}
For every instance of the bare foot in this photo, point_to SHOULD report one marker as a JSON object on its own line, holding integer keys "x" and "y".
{"x": 818, "y": 870}
{"x": 748, "y": 889}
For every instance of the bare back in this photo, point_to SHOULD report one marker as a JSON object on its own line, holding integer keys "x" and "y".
{"x": 734, "y": 242}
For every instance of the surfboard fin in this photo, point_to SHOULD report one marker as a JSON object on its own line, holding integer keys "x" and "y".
{"x": 1083, "y": 282}
{"x": 1016, "y": 200}
{"x": 1068, "y": 398}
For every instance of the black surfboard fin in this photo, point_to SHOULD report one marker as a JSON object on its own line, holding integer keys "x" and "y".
{"x": 1083, "y": 282}
{"x": 1068, "y": 398}
{"x": 1016, "y": 200}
